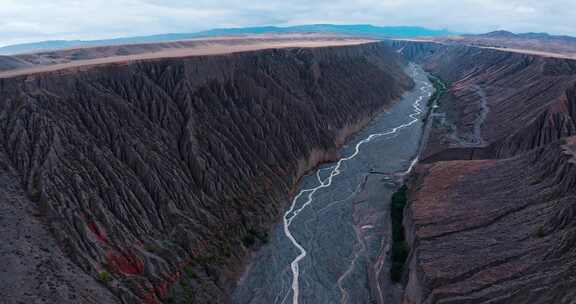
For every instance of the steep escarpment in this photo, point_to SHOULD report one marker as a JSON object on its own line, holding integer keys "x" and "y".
{"x": 154, "y": 173}
{"x": 503, "y": 101}
{"x": 415, "y": 51}
{"x": 494, "y": 231}
{"x": 490, "y": 212}
{"x": 557, "y": 120}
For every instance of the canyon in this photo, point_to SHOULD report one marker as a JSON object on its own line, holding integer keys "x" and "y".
{"x": 158, "y": 177}
{"x": 333, "y": 243}
{"x": 261, "y": 170}
{"x": 490, "y": 207}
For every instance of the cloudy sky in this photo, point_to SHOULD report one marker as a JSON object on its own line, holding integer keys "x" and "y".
{"x": 33, "y": 20}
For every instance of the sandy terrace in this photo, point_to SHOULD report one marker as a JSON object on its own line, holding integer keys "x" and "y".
{"x": 504, "y": 49}
{"x": 534, "y": 52}
{"x": 198, "y": 47}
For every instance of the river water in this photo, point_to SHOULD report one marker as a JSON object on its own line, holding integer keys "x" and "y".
{"x": 332, "y": 244}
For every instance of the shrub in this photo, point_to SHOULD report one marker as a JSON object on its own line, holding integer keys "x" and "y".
{"x": 190, "y": 272}
{"x": 399, "y": 247}
{"x": 250, "y": 239}
{"x": 187, "y": 292}
{"x": 540, "y": 233}
{"x": 439, "y": 89}
{"x": 104, "y": 276}
{"x": 36, "y": 189}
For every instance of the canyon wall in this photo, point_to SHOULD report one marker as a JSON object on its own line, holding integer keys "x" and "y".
{"x": 153, "y": 173}
{"x": 490, "y": 217}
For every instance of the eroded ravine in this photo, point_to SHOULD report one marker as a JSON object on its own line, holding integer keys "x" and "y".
{"x": 332, "y": 243}
{"x": 475, "y": 138}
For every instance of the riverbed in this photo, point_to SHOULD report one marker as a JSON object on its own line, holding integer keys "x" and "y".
{"x": 333, "y": 241}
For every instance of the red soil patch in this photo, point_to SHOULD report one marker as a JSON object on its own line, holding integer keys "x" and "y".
{"x": 98, "y": 233}
{"x": 125, "y": 263}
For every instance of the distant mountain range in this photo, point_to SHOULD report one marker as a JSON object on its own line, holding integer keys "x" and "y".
{"x": 356, "y": 30}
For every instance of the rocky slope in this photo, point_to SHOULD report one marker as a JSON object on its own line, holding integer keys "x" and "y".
{"x": 156, "y": 177}
{"x": 502, "y": 101}
{"x": 490, "y": 211}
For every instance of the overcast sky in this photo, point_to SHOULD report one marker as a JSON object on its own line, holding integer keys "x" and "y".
{"x": 33, "y": 20}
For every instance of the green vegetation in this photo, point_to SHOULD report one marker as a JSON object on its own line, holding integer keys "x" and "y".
{"x": 439, "y": 90}
{"x": 535, "y": 180}
{"x": 540, "y": 233}
{"x": 187, "y": 292}
{"x": 36, "y": 188}
{"x": 104, "y": 276}
{"x": 190, "y": 272}
{"x": 250, "y": 239}
{"x": 399, "y": 246}
{"x": 169, "y": 300}
{"x": 182, "y": 292}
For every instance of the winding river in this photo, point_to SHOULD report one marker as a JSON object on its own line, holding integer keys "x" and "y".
{"x": 332, "y": 244}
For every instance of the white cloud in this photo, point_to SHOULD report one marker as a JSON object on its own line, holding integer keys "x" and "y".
{"x": 29, "y": 20}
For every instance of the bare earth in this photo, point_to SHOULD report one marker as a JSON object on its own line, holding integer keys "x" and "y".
{"x": 194, "y": 47}
{"x": 534, "y": 52}
{"x": 456, "y": 40}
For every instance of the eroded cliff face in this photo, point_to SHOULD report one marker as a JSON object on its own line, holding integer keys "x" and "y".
{"x": 494, "y": 231}
{"x": 491, "y": 209}
{"x": 506, "y": 102}
{"x": 153, "y": 171}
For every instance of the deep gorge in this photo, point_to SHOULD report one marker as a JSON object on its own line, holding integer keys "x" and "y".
{"x": 490, "y": 222}
{"x": 159, "y": 181}
{"x": 153, "y": 173}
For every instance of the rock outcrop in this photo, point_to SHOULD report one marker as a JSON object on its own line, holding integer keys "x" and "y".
{"x": 150, "y": 172}
{"x": 491, "y": 208}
